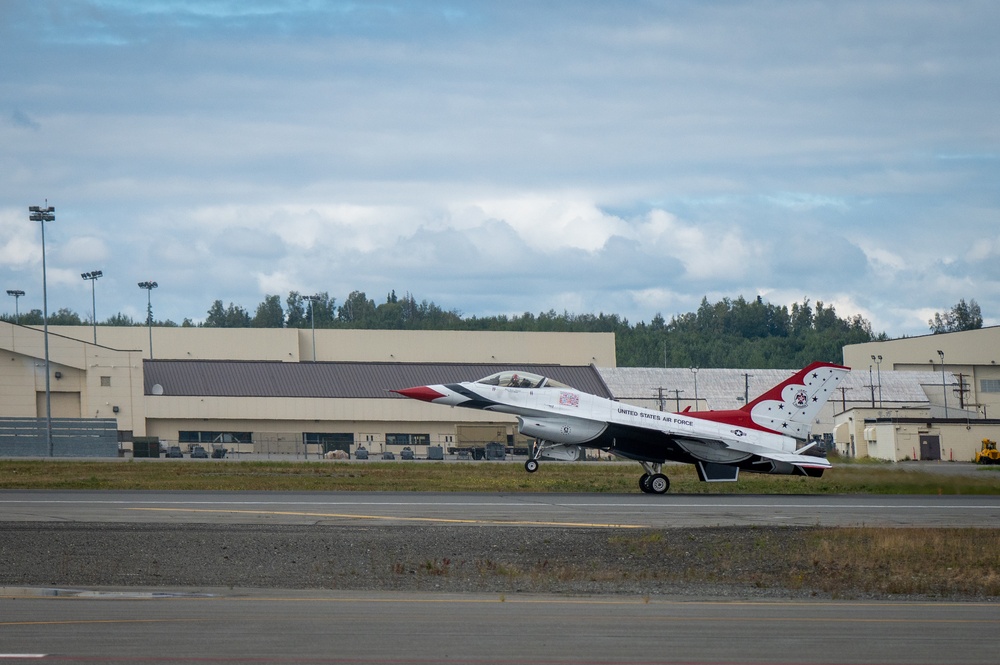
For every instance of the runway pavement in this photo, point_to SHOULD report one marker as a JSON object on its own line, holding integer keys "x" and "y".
{"x": 233, "y": 626}
{"x": 603, "y": 510}
{"x": 197, "y": 625}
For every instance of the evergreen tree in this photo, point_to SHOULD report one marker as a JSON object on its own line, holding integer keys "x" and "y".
{"x": 269, "y": 313}
{"x": 357, "y": 311}
{"x": 296, "y": 317}
{"x": 233, "y": 316}
{"x": 962, "y": 316}
{"x": 120, "y": 319}
{"x": 65, "y": 317}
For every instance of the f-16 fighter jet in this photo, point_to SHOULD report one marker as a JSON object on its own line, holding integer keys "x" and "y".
{"x": 768, "y": 435}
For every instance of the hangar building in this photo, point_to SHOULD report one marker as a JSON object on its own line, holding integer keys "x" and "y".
{"x": 268, "y": 391}
{"x": 961, "y": 379}
{"x": 263, "y": 390}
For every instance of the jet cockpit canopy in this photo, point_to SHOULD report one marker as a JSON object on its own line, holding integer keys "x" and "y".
{"x": 518, "y": 379}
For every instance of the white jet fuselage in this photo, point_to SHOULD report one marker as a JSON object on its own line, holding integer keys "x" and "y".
{"x": 768, "y": 435}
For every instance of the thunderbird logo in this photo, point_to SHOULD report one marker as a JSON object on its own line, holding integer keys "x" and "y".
{"x": 801, "y": 399}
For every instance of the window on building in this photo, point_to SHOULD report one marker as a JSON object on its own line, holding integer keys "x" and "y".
{"x": 214, "y": 437}
{"x": 407, "y": 439}
{"x": 329, "y": 440}
{"x": 105, "y": 381}
{"x": 990, "y": 385}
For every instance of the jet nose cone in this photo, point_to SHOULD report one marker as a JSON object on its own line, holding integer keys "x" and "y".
{"x": 423, "y": 393}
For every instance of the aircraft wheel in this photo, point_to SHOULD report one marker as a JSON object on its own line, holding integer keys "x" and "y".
{"x": 531, "y": 466}
{"x": 658, "y": 483}
{"x": 644, "y": 483}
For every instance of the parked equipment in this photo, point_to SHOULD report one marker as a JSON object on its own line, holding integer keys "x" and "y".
{"x": 989, "y": 454}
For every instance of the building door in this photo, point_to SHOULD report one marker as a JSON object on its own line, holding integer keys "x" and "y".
{"x": 930, "y": 447}
{"x": 64, "y": 405}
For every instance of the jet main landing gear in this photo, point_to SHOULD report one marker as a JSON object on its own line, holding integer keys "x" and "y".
{"x": 653, "y": 481}
{"x": 536, "y": 451}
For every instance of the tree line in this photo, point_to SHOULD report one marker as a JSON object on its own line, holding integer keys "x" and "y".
{"x": 728, "y": 333}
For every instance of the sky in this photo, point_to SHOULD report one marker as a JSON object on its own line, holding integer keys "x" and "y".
{"x": 497, "y": 158}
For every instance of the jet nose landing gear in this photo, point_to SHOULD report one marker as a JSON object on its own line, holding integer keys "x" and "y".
{"x": 653, "y": 481}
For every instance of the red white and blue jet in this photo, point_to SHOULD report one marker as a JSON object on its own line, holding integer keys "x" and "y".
{"x": 768, "y": 435}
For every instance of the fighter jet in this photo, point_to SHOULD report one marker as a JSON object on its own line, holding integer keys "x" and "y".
{"x": 767, "y": 435}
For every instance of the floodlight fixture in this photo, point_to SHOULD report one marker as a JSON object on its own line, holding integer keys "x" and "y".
{"x": 878, "y": 364}
{"x": 149, "y": 286}
{"x": 312, "y": 318}
{"x": 16, "y": 294}
{"x": 944, "y": 388}
{"x": 44, "y": 214}
{"x": 694, "y": 370}
{"x": 92, "y": 277}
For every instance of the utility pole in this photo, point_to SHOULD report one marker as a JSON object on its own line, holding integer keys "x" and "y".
{"x": 843, "y": 397}
{"x": 961, "y": 390}
{"x": 746, "y": 387}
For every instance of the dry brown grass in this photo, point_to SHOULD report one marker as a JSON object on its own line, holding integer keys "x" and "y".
{"x": 930, "y": 562}
{"x": 839, "y": 562}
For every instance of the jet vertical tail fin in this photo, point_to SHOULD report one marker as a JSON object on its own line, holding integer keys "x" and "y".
{"x": 790, "y": 407}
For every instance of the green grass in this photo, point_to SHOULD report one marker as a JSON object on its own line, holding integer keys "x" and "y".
{"x": 599, "y": 477}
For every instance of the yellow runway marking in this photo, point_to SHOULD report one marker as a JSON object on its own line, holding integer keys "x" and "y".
{"x": 75, "y": 622}
{"x": 441, "y": 520}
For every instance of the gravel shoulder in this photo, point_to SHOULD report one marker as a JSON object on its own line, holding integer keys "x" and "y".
{"x": 726, "y": 562}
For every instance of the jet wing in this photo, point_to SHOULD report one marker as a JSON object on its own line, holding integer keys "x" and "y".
{"x": 809, "y": 461}
{"x": 806, "y": 461}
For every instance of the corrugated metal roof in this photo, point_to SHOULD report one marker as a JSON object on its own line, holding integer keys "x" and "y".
{"x": 723, "y": 388}
{"x": 224, "y": 378}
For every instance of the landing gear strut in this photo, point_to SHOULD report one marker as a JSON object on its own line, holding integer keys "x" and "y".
{"x": 653, "y": 481}
{"x": 532, "y": 464}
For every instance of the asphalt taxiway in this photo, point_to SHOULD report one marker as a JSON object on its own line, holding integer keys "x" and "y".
{"x": 603, "y": 510}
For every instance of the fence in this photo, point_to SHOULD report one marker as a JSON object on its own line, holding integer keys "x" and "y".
{"x": 71, "y": 437}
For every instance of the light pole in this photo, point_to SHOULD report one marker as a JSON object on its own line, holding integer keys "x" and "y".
{"x": 46, "y": 214}
{"x": 871, "y": 384}
{"x": 93, "y": 276}
{"x": 944, "y": 389}
{"x": 17, "y": 293}
{"x": 878, "y": 368}
{"x": 312, "y": 319}
{"x": 694, "y": 370}
{"x": 149, "y": 286}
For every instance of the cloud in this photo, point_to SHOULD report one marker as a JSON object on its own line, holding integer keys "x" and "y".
{"x": 19, "y": 118}
{"x": 20, "y": 244}
{"x": 509, "y": 157}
